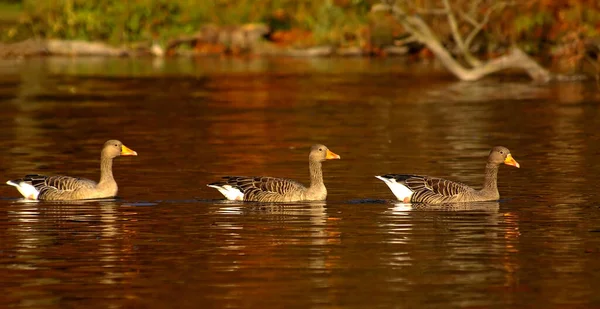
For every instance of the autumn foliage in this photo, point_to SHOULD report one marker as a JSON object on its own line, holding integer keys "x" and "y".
{"x": 558, "y": 30}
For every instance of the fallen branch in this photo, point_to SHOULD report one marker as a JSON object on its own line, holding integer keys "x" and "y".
{"x": 34, "y": 47}
{"x": 515, "y": 59}
{"x": 25, "y": 48}
{"x": 82, "y": 48}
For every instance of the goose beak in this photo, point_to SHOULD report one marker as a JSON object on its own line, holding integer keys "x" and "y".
{"x": 330, "y": 155}
{"x": 127, "y": 152}
{"x": 510, "y": 161}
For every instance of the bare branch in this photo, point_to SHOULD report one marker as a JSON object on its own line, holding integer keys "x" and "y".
{"x": 381, "y": 7}
{"x": 458, "y": 37}
{"x": 468, "y": 18}
{"x": 479, "y": 25}
{"x": 516, "y": 59}
{"x": 454, "y": 26}
{"x": 406, "y": 41}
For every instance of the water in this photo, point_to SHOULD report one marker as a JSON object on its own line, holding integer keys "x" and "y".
{"x": 170, "y": 241}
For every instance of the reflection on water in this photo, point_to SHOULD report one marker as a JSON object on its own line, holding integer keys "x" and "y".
{"x": 169, "y": 241}
{"x": 399, "y": 207}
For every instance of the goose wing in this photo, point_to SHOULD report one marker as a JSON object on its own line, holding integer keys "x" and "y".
{"x": 65, "y": 183}
{"x": 260, "y": 188}
{"x": 52, "y": 185}
{"x": 428, "y": 189}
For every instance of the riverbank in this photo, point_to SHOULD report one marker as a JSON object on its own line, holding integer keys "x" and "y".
{"x": 331, "y": 28}
{"x": 238, "y": 43}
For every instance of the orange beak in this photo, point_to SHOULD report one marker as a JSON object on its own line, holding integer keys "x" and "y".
{"x": 127, "y": 152}
{"x": 510, "y": 161}
{"x": 330, "y": 155}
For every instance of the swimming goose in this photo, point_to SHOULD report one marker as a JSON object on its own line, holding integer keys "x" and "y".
{"x": 431, "y": 190}
{"x": 270, "y": 189}
{"x": 65, "y": 188}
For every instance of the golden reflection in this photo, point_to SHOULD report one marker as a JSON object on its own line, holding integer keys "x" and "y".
{"x": 256, "y": 235}
{"x": 400, "y": 208}
{"x": 512, "y": 240}
{"x": 457, "y": 229}
{"x": 570, "y": 93}
{"x": 232, "y": 121}
{"x": 56, "y": 232}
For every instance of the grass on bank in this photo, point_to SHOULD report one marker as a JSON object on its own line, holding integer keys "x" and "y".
{"x": 119, "y": 22}
{"x": 10, "y": 12}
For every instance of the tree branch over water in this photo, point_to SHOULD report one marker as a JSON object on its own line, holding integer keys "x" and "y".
{"x": 476, "y": 69}
{"x": 464, "y": 48}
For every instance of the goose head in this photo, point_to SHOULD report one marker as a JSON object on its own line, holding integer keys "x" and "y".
{"x": 320, "y": 153}
{"x": 114, "y": 148}
{"x": 500, "y": 155}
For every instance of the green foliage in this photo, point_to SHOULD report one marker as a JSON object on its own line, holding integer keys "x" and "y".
{"x": 532, "y": 24}
{"x": 528, "y": 23}
{"x": 119, "y": 21}
{"x": 544, "y": 25}
{"x": 331, "y": 24}
{"x": 115, "y": 21}
{"x": 10, "y": 10}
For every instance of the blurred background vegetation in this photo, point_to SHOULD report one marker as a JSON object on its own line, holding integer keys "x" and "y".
{"x": 118, "y": 22}
{"x": 540, "y": 27}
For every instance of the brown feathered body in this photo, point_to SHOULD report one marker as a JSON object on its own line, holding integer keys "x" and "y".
{"x": 433, "y": 190}
{"x": 65, "y": 188}
{"x": 271, "y": 189}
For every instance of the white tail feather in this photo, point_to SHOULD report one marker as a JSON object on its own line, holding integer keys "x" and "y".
{"x": 28, "y": 191}
{"x": 230, "y": 193}
{"x": 401, "y": 192}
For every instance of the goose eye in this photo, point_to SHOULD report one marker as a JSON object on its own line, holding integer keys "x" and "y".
{"x": 320, "y": 149}
{"x": 501, "y": 152}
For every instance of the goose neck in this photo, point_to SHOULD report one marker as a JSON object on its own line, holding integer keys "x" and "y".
{"x": 316, "y": 174}
{"x": 490, "y": 182}
{"x": 106, "y": 174}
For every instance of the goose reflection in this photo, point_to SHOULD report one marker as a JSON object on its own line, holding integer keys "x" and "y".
{"x": 316, "y": 209}
{"x": 491, "y": 207}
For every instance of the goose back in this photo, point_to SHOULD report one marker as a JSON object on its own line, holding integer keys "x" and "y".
{"x": 60, "y": 188}
{"x": 433, "y": 190}
{"x": 263, "y": 189}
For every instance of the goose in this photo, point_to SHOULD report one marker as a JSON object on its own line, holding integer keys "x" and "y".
{"x": 66, "y": 188}
{"x": 431, "y": 190}
{"x": 270, "y": 189}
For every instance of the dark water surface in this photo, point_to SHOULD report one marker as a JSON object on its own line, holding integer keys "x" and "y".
{"x": 171, "y": 242}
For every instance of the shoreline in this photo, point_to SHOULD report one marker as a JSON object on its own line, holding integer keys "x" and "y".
{"x": 80, "y": 48}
